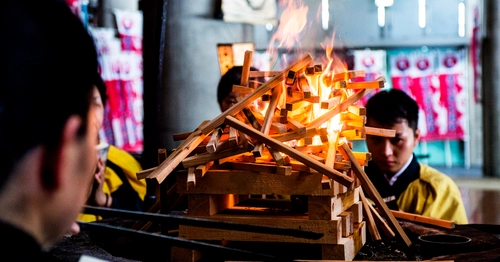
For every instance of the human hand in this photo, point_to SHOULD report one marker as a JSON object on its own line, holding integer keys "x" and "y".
{"x": 97, "y": 196}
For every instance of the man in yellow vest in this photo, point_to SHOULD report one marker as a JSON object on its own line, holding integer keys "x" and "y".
{"x": 401, "y": 180}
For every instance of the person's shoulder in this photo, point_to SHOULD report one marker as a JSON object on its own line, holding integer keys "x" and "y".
{"x": 433, "y": 176}
{"x": 114, "y": 152}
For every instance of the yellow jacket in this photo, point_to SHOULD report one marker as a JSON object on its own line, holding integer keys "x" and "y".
{"x": 112, "y": 181}
{"x": 433, "y": 195}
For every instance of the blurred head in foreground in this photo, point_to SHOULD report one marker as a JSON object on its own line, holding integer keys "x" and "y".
{"x": 47, "y": 146}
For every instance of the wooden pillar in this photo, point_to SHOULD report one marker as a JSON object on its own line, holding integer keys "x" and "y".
{"x": 491, "y": 89}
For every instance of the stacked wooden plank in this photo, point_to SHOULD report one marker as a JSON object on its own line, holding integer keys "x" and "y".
{"x": 287, "y": 137}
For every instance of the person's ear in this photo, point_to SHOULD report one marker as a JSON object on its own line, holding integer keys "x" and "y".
{"x": 417, "y": 137}
{"x": 58, "y": 157}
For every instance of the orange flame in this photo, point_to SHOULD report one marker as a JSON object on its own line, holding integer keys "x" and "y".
{"x": 293, "y": 20}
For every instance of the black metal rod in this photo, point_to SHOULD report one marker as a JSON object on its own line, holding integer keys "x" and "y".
{"x": 147, "y": 237}
{"x": 199, "y": 222}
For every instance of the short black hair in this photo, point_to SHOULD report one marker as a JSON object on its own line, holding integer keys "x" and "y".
{"x": 389, "y": 107}
{"x": 230, "y": 78}
{"x": 48, "y": 66}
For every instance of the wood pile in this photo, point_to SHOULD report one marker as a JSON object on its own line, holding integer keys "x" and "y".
{"x": 287, "y": 138}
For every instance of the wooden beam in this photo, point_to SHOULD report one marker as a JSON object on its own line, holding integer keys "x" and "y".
{"x": 304, "y": 86}
{"x": 296, "y": 126}
{"x": 191, "y": 178}
{"x": 247, "y": 63}
{"x": 423, "y": 219}
{"x": 374, "y": 195}
{"x": 235, "y": 181}
{"x": 349, "y": 75}
{"x": 381, "y": 223}
{"x": 202, "y": 169}
{"x": 257, "y": 74}
{"x": 380, "y": 132}
{"x": 304, "y": 61}
{"x": 278, "y": 128}
{"x": 331, "y": 102}
{"x": 144, "y": 173}
{"x": 339, "y": 108}
{"x": 242, "y": 90}
{"x": 361, "y": 85}
{"x": 372, "y": 227}
{"x": 257, "y": 167}
{"x": 167, "y": 166}
{"x": 207, "y": 157}
{"x": 268, "y": 119}
{"x": 233, "y": 137}
{"x": 214, "y": 140}
{"x": 310, "y": 132}
{"x": 275, "y": 144}
{"x": 357, "y": 110}
{"x": 181, "y": 136}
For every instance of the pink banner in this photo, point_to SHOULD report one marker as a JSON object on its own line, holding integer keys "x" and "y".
{"x": 373, "y": 63}
{"x": 435, "y": 81}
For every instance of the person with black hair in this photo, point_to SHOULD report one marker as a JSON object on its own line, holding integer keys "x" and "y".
{"x": 115, "y": 181}
{"x": 47, "y": 145}
{"x": 225, "y": 96}
{"x": 402, "y": 181}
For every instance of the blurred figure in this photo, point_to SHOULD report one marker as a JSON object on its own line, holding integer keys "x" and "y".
{"x": 47, "y": 145}
{"x": 401, "y": 180}
{"x": 225, "y": 96}
{"x": 115, "y": 181}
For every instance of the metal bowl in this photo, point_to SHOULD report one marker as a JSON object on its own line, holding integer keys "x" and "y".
{"x": 443, "y": 244}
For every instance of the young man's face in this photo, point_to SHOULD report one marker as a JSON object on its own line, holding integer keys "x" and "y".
{"x": 391, "y": 154}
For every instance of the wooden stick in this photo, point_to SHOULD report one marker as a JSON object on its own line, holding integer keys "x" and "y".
{"x": 144, "y": 173}
{"x": 242, "y": 90}
{"x": 331, "y": 102}
{"x": 214, "y": 140}
{"x": 339, "y": 108}
{"x": 258, "y": 167}
{"x": 299, "y": 64}
{"x": 366, "y": 156}
{"x": 423, "y": 219}
{"x": 294, "y": 105}
{"x": 268, "y": 119}
{"x": 381, "y": 223}
{"x": 247, "y": 63}
{"x": 361, "y": 85}
{"x": 191, "y": 178}
{"x": 181, "y": 136}
{"x": 275, "y": 144}
{"x": 167, "y": 166}
{"x": 348, "y": 75}
{"x": 207, "y": 157}
{"x": 296, "y": 126}
{"x": 278, "y": 158}
{"x": 304, "y": 85}
{"x": 278, "y": 128}
{"x": 372, "y": 227}
{"x": 343, "y": 166}
{"x": 201, "y": 170}
{"x": 256, "y": 74}
{"x": 310, "y": 132}
{"x": 233, "y": 137}
{"x": 357, "y": 110}
{"x": 374, "y": 194}
{"x": 380, "y": 132}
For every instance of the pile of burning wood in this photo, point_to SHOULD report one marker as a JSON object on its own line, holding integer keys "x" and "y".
{"x": 298, "y": 121}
